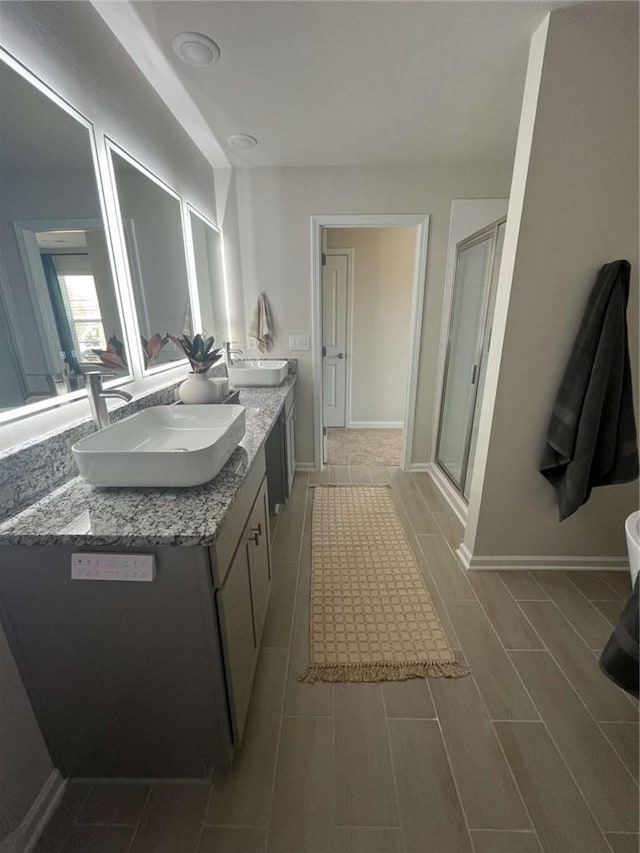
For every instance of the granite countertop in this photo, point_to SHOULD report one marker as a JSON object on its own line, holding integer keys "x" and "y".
{"x": 77, "y": 514}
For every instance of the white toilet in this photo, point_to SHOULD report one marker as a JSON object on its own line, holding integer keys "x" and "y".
{"x": 632, "y": 529}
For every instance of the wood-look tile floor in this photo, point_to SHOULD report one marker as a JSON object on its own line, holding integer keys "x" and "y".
{"x": 535, "y": 751}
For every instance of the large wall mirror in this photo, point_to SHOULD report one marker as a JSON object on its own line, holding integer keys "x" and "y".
{"x": 209, "y": 270}
{"x": 58, "y": 304}
{"x": 151, "y": 216}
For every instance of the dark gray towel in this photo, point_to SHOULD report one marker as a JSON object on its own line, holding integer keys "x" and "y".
{"x": 620, "y": 660}
{"x": 592, "y": 433}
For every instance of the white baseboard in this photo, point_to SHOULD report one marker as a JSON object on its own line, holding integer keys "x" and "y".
{"x": 543, "y": 563}
{"x": 375, "y": 425}
{"x": 305, "y": 466}
{"x": 25, "y": 837}
{"x": 449, "y": 492}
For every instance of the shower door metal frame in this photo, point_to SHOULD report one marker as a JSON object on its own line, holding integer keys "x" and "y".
{"x": 468, "y": 242}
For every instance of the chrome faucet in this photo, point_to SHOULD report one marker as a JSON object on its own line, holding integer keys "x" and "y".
{"x": 229, "y": 352}
{"x": 98, "y": 397}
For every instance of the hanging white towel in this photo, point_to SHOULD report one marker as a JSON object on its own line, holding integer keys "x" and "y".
{"x": 261, "y": 327}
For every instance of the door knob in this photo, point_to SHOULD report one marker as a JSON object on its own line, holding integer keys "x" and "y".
{"x": 340, "y": 355}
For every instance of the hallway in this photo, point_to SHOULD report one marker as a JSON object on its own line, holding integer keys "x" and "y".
{"x": 378, "y": 447}
{"x": 535, "y": 751}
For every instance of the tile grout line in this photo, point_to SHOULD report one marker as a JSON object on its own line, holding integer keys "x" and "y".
{"x": 472, "y": 676}
{"x": 614, "y": 748}
{"x": 568, "y": 574}
{"x": 65, "y": 837}
{"x": 495, "y": 734}
{"x": 492, "y": 722}
{"x": 590, "y": 603}
{"x": 288, "y": 667}
{"x": 203, "y": 826}
{"x": 555, "y": 744}
{"x": 580, "y": 699}
{"x": 614, "y": 591}
{"x": 570, "y": 772}
{"x": 544, "y": 723}
{"x": 144, "y": 808}
{"x": 557, "y": 663}
{"x": 454, "y": 780}
{"x": 492, "y": 627}
{"x": 393, "y": 773}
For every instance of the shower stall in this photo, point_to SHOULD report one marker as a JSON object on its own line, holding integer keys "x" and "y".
{"x": 474, "y": 289}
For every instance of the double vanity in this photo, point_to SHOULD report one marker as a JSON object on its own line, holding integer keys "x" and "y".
{"x": 149, "y": 674}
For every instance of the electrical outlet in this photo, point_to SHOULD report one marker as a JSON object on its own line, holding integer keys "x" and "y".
{"x": 113, "y": 567}
{"x": 298, "y": 343}
{"x": 252, "y": 343}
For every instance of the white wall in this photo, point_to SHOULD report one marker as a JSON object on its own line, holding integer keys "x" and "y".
{"x": 275, "y": 209}
{"x": 384, "y": 261}
{"x": 69, "y": 46}
{"x": 573, "y": 207}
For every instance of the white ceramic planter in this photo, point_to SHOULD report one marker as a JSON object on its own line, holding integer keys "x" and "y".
{"x": 197, "y": 388}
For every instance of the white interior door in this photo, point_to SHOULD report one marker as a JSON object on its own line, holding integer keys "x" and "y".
{"x": 334, "y": 339}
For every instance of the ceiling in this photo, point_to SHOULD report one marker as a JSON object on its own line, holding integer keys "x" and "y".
{"x": 355, "y": 83}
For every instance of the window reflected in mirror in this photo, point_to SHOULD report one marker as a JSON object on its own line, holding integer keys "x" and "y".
{"x": 152, "y": 225}
{"x": 59, "y": 313}
{"x": 207, "y": 252}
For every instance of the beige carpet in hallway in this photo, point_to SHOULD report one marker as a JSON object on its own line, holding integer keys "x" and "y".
{"x": 364, "y": 446}
{"x": 371, "y": 615}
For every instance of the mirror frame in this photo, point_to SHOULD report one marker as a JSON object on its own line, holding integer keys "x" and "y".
{"x": 30, "y": 409}
{"x": 190, "y": 209}
{"x": 192, "y": 287}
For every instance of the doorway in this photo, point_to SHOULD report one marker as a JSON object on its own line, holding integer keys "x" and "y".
{"x": 368, "y": 292}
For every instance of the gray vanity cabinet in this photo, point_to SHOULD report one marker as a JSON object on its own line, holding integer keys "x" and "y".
{"x": 125, "y": 678}
{"x": 144, "y": 679}
{"x": 238, "y": 637}
{"x": 260, "y": 560}
{"x": 242, "y": 605}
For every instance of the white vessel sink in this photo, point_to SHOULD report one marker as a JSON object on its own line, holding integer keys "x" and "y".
{"x": 162, "y": 446}
{"x": 256, "y": 372}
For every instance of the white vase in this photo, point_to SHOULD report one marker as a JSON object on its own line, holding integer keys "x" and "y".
{"x": 197, "y": 388}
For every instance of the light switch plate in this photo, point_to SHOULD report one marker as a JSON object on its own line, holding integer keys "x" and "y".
{"x": 297, "y": 343}
{"x": 86, "y": 566}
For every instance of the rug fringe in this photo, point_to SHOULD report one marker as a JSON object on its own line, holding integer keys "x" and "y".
{"x": 349, "y": 485}
{"x": 367, "y": 672}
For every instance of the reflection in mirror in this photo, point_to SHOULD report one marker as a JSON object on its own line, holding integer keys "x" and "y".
{"x": 152, "y": 225}
{"x": 58, "y": 304}
{"x": 207, "y": 251}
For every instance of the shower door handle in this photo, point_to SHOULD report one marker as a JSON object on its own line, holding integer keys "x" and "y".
{"x": 473, "y": 374}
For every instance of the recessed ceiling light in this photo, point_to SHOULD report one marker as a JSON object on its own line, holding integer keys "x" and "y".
{"x": 242, "y": 140}
{"x": 195, "y": 49}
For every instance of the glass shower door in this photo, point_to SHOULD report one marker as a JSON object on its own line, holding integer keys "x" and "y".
{"x": 486, "y": 340}
{"x": 471, "y": 292}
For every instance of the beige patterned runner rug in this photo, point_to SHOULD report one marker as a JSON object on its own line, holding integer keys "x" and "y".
{"x": 371, "y": 616}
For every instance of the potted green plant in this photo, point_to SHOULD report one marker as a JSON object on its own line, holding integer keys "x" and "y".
{"x": 202, "y": 355}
